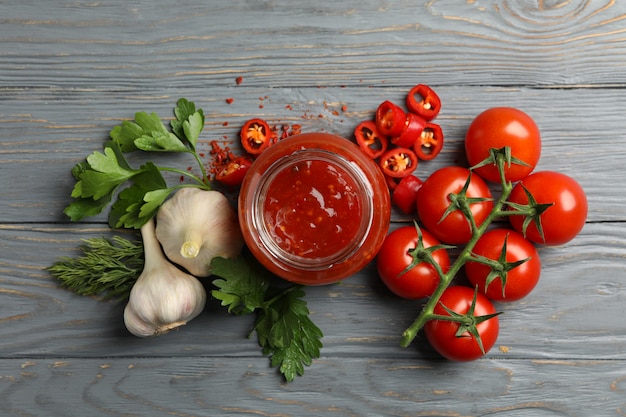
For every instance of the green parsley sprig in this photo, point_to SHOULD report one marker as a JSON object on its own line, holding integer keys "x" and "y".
{"x": 103, "y": 174}
{"x": 284, "y": 330}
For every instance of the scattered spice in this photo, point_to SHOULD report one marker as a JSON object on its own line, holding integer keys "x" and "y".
{"x": 230, "y": 100}
{"x": 239, "y": 80}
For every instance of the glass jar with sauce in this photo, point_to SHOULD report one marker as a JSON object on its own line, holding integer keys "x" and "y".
{"x": 314, "y": 209}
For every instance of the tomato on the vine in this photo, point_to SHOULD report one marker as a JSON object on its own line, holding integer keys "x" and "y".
{"x": 433, "y": 201}
{"x": 442, "y": 334}
{"x": 511, "y": 279}
{"x": 561, "y": 205}
{"x": 497, "y": 128}
{"x": 394, "y": 257}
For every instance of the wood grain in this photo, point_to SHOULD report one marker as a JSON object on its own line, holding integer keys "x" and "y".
{"x": 72, "y": 70}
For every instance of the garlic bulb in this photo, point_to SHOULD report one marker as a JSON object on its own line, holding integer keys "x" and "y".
{"x": 164, "y": 297}
{"x": 195, "y": 226}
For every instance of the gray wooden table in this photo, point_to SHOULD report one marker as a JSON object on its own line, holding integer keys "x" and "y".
{"x": 71, "y": 70}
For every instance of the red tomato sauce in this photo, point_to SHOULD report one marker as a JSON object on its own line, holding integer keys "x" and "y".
{"x": 313, "y": 209}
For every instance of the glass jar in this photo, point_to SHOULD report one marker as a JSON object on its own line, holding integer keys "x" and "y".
{"x": 314, "y": 209}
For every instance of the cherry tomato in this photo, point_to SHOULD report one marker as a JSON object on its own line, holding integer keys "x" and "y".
{"x": 398, "y": 162}
{"x": 256, "y": 136}
{"x": 433, "y": 200}
{"x": 390, "y": 119}
{"x": 404, "y": 195}
{"x": 429, "y": 143}
{"x": 232, "y": 173}
{"x": 519, "y": 278}
{"x": 393, "y": 259}
{"x": 423, "y": 101}
{"x": 370, "y": 140}
{"x": 441, "y": 334}
{"x": 499, "y": 127}
{"x": 560, "y": 222}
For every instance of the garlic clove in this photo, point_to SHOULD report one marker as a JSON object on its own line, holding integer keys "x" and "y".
{"x": 194, "y": 226}
{"x": 164, "y": 297}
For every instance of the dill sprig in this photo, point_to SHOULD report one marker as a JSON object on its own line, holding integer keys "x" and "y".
{"x": 107, "y": 267}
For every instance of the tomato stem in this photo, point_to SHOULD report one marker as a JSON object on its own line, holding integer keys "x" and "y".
{"x": 427, "y": 312}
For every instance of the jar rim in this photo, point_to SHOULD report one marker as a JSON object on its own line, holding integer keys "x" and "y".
{"x": 358, "y": 177}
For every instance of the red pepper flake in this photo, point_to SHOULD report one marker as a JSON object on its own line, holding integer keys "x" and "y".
{"x": 344, "y": 108}
{"x": 335, "y": 113}
{"x": 230, "y": 100}
{"x": 220, "y": 156}
{"x": 239, "y": 80}
{"x": 289, "y": 107}
{"x": 224, "y": 123}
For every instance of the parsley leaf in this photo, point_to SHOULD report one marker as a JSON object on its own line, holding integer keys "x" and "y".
{"x": 240, "y": 288}
{"x": 284, "y": 330}
{"x": 139, "y": 202}
{"x": 102, "y": 177}
{"x": 188, "y": 123}
{"x": 287, "y": 334}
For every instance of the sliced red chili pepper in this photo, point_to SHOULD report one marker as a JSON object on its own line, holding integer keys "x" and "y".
{"x": 370, "y": 140}
{"x": 392, "y": 183}
{"x": 404, "y": 196}
{"x": 423, "y": 101}
{"x": 412, "y": 130}
{"x": 398, "y": 162}
{"x": 429, "y": 143}
{"x": 256, "y": 136}
{"x": 390, "y": 119}
{"x": 232, "y": 173}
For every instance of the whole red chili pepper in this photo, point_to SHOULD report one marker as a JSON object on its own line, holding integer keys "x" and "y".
{"x": 423, "y": 101}
{"x": 369, "y": 139}
{"x": 390, "y": 119}
{"x": 398, "y": 162}
{"x": 429, "y": 142}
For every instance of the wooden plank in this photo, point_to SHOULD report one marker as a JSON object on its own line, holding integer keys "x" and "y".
{"x": 138, "y": 46}
{"x": 40, "y": 141}
{"x": 334, "y": 386}
{"x": 574, "y": 313}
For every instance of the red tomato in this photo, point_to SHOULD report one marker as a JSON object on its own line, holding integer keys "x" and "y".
{"x": 562, "y": 221}
{"x": 441, "y": 334}
{"x": 393, "y": 258}
{"x": 433, "y": 201}
{"x": 520, "y": 279}
{"x": 499, "y": 127}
